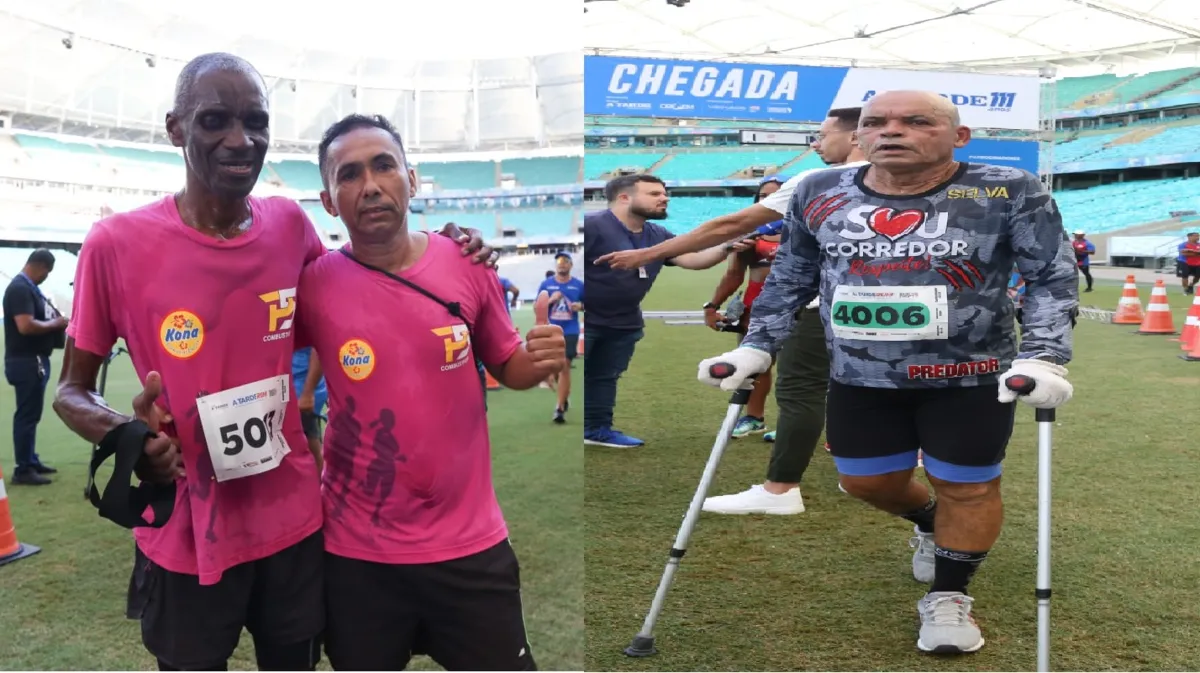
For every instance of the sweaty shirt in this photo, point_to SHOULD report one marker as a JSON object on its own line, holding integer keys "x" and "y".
{"x": 208, "y": 315}
{"x": 928, "y": 272}
{"x": 561, "y": 313}
{"x": 408, "y": 473}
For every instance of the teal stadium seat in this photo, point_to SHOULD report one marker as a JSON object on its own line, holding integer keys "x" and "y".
{"x": 546, "y": 171}
{"x": 541, "y": 222}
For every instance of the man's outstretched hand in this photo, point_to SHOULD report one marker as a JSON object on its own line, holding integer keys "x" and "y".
{"x": 626, "y": 259}
{"x": 472, "y": 242}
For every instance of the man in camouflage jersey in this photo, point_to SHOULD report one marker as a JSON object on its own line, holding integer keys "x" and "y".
{"x": 911, "y": 256}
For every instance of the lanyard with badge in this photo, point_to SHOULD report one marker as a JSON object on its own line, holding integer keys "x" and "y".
{"x": 642, "y": 273}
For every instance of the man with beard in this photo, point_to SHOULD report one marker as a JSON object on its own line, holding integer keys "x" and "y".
{"x": 201, "y": 285}
{"x": 911, "y": 256}
{"x": 614, "y": 296}
{"x": 802, "y": 369}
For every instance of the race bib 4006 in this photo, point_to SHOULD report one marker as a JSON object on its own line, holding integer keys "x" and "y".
{"x": 890, "y": 313}
{"x": 243, "y": 427}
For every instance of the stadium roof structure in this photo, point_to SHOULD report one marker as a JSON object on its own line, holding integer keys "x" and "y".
{"x": 1076, "y": 37}
{"x": 107, "y": 68}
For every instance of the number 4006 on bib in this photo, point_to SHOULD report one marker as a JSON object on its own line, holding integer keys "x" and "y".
{"x": 890, "y": 313}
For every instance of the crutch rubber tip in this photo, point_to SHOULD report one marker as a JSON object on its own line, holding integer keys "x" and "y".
{"x": 642, "y": 646}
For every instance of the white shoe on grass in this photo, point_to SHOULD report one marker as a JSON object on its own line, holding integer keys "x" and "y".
{"x": 947, "y": 626}
{"x": 756, "y": 500}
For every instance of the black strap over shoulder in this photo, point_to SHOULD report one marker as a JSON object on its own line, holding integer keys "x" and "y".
{"x": 453, "y": 307}
{"x": 121, "y": 503}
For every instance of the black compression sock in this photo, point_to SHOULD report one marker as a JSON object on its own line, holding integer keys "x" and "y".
{"x": 923, "y": 517}
{"x": 954, "y": 569}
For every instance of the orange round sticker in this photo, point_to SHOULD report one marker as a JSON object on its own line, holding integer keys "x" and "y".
{"x": 357, "y": 359}
{"x": 181, "y": 334}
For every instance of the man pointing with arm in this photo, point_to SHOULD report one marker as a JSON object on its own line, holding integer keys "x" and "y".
{"x": 912, "y": 256}
{"x": 803, "y": 368}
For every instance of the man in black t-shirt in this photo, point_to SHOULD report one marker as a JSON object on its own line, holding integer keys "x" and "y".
{"x": 31, "y": 329}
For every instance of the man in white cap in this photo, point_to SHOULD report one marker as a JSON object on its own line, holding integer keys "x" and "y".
{"x": 1083, "y": 252}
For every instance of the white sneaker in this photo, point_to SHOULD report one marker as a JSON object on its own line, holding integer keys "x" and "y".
{"x": 756, "y": 500}
{"x": 923, "y": 558}
{"x": 947, "y": 626}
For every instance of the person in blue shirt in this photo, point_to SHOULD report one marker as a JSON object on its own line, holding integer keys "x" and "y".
{"x": 614, "y": 296}
{"x": 312, "y": 405}
{"x": 509, "y": 288}
{"x": 1016, "y": 292}
{"x": 566, "y": 301}
{"x": 1083, "y": 254}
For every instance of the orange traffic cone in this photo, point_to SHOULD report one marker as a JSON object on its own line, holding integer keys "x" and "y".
{"x": 10, "y": 549}
{"x": 1190, "y": 326}
{"x": 1193, "y": 354}
{"x": 1158, "y": 313}
{"x": 492, "y": 383}
{"x": 1129, "y": 309}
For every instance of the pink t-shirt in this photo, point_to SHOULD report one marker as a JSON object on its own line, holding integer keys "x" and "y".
{"x": 208, "y": 315}
{"x": 408, "y": 471}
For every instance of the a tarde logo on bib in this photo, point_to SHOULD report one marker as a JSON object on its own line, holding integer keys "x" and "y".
{"x": 182, "y": 334}
{"x": 357, "y": 359}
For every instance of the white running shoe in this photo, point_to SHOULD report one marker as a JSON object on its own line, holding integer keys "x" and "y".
{"x": 923, "y": 558}
{"x": 947, "y": 626}
{"x": 756, "y": 500}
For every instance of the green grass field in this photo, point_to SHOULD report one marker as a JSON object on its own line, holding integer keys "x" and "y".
{"x": 64, "y": 608}
{"x": 831, "y": 589}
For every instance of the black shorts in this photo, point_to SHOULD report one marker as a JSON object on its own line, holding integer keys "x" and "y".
{"x": 572, "y": 345}
{"x": 310, "y": 422}
{"x": 465, "y": 614}
{"x": 280, "y": 599}
{"x": 962, "y": 433}
{"x": 1184, "y": 270}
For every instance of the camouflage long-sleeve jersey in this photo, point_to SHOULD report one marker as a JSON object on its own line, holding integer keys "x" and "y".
{"x": 914, "y": 289}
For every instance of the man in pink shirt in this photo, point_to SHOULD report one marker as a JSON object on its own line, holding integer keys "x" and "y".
{"x": 418, "y": 554}
{"x": 201, "y": 285}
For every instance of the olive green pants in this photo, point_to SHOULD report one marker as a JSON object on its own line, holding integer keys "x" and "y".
{"x": 801, "y": 382}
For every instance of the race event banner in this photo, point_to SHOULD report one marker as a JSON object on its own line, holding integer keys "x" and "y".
{"x": 640, "y": 87}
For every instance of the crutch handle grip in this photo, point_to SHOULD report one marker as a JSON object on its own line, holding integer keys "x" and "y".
{"x": 721, "y": 370}
{"x": 1022, "y": 385}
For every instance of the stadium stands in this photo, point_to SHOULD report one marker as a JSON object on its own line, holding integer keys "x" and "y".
{"x": 1097, "y": 90}
{"x": 597, "y": 165}
{"x": 1141, "y": 142}
{"x": 1108, "y": 208}
{"x": 95, "y": 162}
